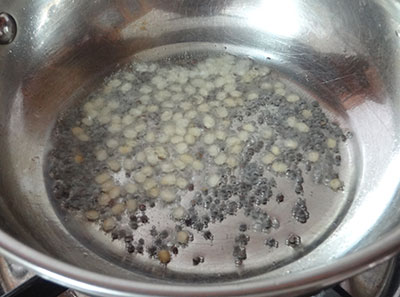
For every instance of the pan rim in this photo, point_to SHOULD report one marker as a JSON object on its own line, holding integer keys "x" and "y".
{"x": 93, "y": 282}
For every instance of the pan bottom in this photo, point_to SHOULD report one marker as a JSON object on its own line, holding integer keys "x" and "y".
{"x": 201, "y": 164}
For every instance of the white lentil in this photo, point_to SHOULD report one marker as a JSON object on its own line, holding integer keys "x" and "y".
{"x": 102, "y": 178}
{"x": 181, "y": 148}
{"x": 220, "y": 134}
{"x": 128, "y": 164}
{"x": 249, "y": 127}
{"x": 291, "y": 121}
{"x": 231, "y": 162}
{"x": 220, "y": 96}
{"x": 219, "y": 82}
{"x": 147, "y": 171}
{"x": 114, "y": 128}
{"x": 167, "y": 167}
{"x": 131, "y": 188}
{"x": 186, "y": 158}
{"x": 306, "y": 113}
{"x": 280, "y": 92}
{"x": 109, "y": 224}
{"x": 176, "y": 139}
{"x": 313, "y": 156}
{"x": 229, "y": 87}
{"x": 220, "y": 159}
{"x": 213, "y": 180}
{"x": 125, "y": 149}
{"x": 88, "y": 106}
{"x": 230, "y": 102}
{"x": 252, "y": 96}
{"x": 230, "y": 141}
{"x": 182, "y": 237}
{"x": 191, "y": 114}
{"x": 222, "y": 112}
{"x": 292, "y": 98}
{"x": 279, "y": 167}
{"x": 152, "y": 108}
{"x": 235, "y": 93}
{"x": 107, "y": 186}
{"x": 182, "y": 123}
{"x": 126, "y": 87}
{"x": 140, "y": 127}
{"x": 154, "y": 192}
{"x": 140, "y": 157}
{"x": 335, "y": 184}
{"x": 203, "y": 107}
{"x": 190, "y": 139}
{"x": 114, "y": 83}
{"x": 179, "y": 164}
{"x": 181, "y": 183}
{"x": 101, "y": 155}
{"x": 197, "y": 165}
{"x": 131, "y": 205}
{"x": 166, "y": 115}
{"x": 167, "y": 195}
{"x": 203, "y": 92}
{"x": 87, "y": 121}
{"x": 266, "y": 86}
{"x": 92, "y": 215}
{"x": 209, "y": 138}
{"x": 176, "y": 88}
{"x": 105, "y": 117}
{"x": 140, "y": 177}
{"x": 208, "y": 121}
{"x": 275, "y": 150}
{"x": 236, "y": 149}
{"x": 83, "y": 137}
{"x": 161, "y": 152}
{"x": 163, "y": 138}
{"x": 114, "y": 165}
{"x": 151, "y": 156}
{"x": 243, "y": 135}
{"x": 127, "y": 120}
{"x": 150, "y": 136}
{"x": 164, "y": 94}
{"x": 267, "y": 133}
{"x": 129, "y": 76}
{"x": 169, "y": 130}
{"x": 145, "y": 89}
{"x": 130, "y": 142}
{"x": 268, "y": 158}
{"x": 113, "y": 104}
{"x": 190, "y": 90}
{"x": 290, "y": 143}
{"x": 331, "y": 143}
{"x": 117, "y": 209}
{"x": 213, "y": 150}
{"x": 168, "y": 180}
{"x": 302, "y": 127}
{"x": 104, "y": 199}
{"x": 178, "y": 213}
{"x": 114, "y": 192}
{"x": 149, "y": 184}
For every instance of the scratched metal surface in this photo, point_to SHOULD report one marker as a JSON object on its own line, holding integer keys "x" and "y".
{"x": 344, "y": 54}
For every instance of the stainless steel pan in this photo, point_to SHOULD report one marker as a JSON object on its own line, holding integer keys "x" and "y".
{"x": 344, "y": 53}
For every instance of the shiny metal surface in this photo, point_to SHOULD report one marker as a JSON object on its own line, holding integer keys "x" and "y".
{"x": 376, "y": 282}
{"x": 8, "y": 28}
{"x": 344, "y": 53}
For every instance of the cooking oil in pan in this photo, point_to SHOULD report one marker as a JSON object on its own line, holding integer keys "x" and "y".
{"x": 200, "y": 165}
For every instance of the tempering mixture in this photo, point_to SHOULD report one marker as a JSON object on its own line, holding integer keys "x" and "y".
{"x": 201, "y": 141}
